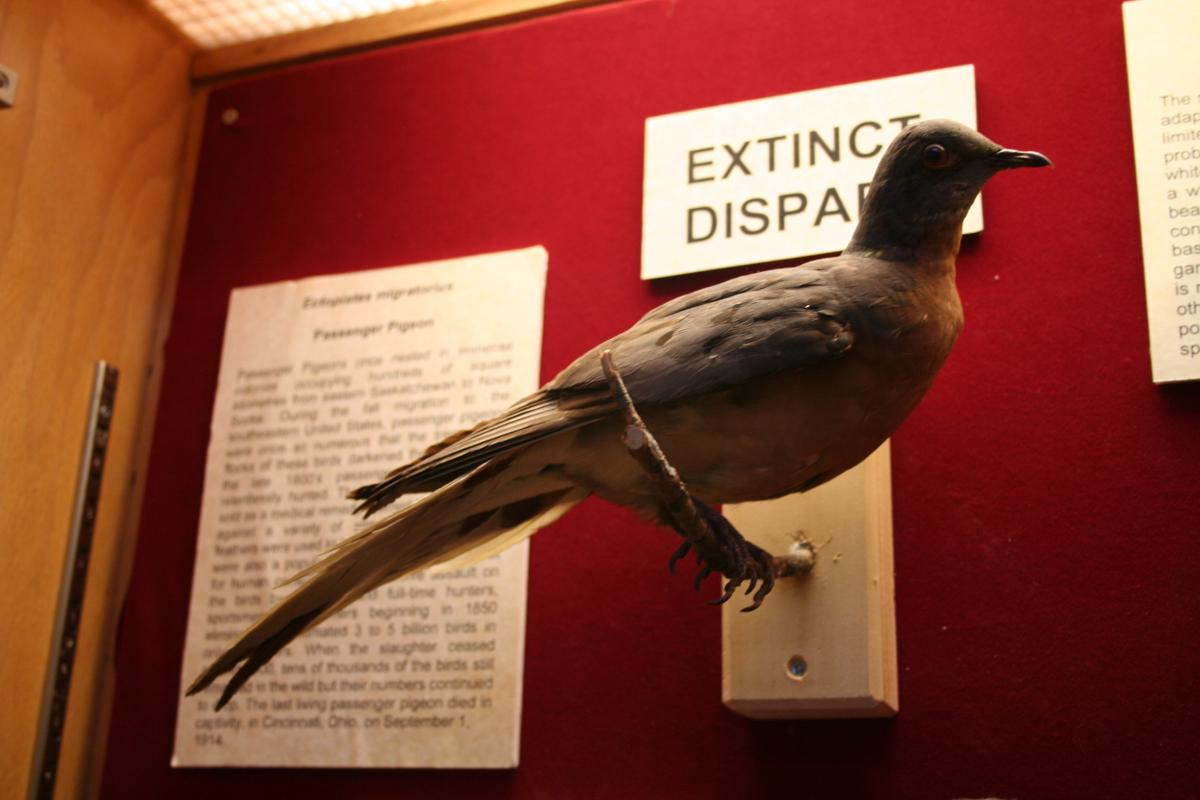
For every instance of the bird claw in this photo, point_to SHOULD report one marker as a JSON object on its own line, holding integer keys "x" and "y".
{"x": 722, "y": 549}
{"x": 765, "y": 565}
{"x": 729, "y": 589}
{"x": 760, "y": 596}
{"x": 678, "y": 554}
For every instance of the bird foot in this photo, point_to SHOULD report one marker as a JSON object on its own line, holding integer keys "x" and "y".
{"x": 718, "y": 545}
{"x": 721, "y": 548}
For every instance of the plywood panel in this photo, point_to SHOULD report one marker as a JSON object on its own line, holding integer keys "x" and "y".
{"x": 88, "y": 180}
{"x": 825, "y": 644}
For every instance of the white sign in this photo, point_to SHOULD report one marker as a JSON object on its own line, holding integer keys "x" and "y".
{"x": 780, "y": 177}
{"x": 326, "y": 384}
{"x": 1164, "y": 98}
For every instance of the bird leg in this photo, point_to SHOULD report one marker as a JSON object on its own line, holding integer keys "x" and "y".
{"x": 718, "y": 545}
{"x": 723, "y": 549}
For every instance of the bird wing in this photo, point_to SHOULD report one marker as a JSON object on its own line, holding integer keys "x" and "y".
{"x": 702, "y": 342}
{"x": 530, "y": 420}
{"x": 737, "y": 331}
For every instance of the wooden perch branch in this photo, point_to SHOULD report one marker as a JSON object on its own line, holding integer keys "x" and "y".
{"x": 678, "y": 504}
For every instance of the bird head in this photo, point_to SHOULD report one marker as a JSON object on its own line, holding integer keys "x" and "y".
{"x": 924, "y": 185}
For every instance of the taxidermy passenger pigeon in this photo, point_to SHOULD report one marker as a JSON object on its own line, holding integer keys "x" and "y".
{"x": 757, "y": 387}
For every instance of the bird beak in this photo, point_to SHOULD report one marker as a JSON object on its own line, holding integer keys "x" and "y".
{"x": 1010, "y": 159}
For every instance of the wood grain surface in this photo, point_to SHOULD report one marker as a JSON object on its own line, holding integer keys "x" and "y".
{"x": 89, "y": 174}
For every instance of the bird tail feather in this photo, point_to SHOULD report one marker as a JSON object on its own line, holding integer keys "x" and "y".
{"x": 471, "y": 518}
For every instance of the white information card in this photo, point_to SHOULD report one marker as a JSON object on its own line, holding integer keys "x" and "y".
{"x": 325, "y": 384}
{"x": 1161, "y": 47}
{"x": 780, "y": 177}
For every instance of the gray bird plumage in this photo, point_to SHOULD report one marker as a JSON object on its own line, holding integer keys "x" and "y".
{"x": 756, "y": 387}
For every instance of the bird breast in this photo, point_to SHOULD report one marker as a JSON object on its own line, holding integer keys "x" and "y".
{"x": 793, "y": 430}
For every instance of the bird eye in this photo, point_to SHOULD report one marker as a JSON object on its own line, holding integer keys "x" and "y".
{"x": 936, "y": 156}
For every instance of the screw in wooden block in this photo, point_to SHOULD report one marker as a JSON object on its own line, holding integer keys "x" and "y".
{"x": 797, "y": 668}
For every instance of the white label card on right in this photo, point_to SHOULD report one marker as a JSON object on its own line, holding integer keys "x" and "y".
{"x": 1164, "y": 99}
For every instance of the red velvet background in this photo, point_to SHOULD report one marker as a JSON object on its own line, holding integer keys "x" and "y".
{"x": 1045, "y": 493}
